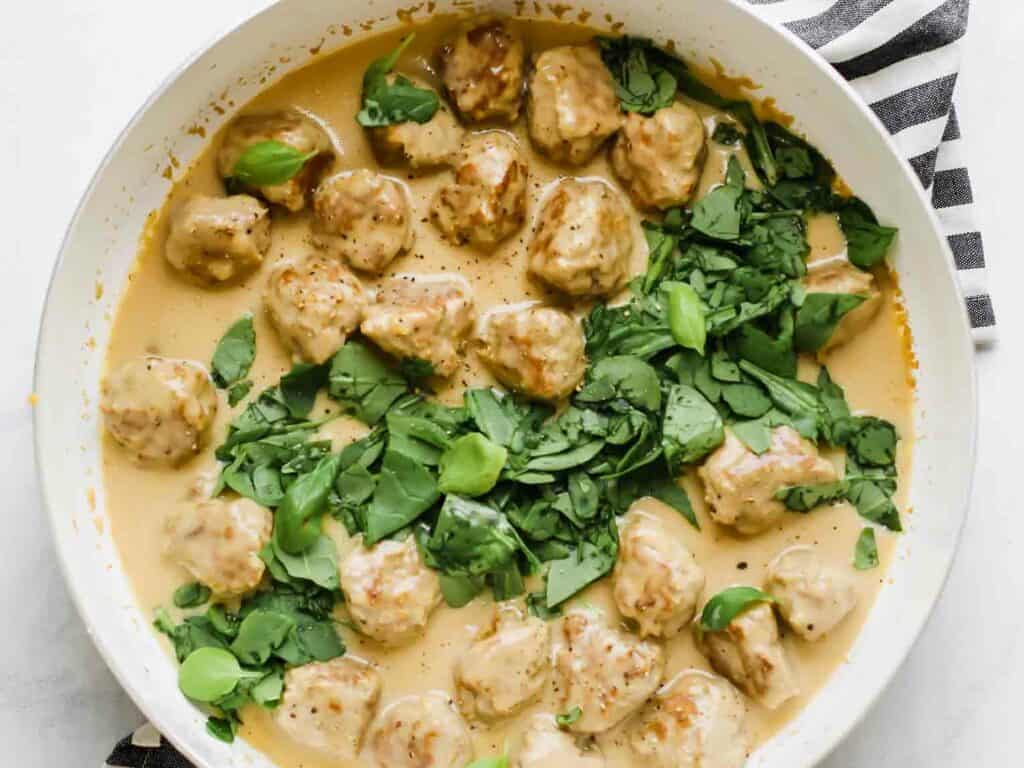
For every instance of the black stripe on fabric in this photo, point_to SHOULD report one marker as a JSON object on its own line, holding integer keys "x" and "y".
{"x": 924, "y": 167}
{"x": 980, "y": 312}
{"x": 942, "y": 26}
{"x": 968, "y": 250}
{"x": 127, "y": 755}
{"x": 836, "y": 21}
{"x": 928, "y": 101}
{"x": 952, "y": 187}
{"x": 952, "y": 132}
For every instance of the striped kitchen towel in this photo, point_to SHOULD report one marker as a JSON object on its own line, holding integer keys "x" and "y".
{"x": 902, "y": 57}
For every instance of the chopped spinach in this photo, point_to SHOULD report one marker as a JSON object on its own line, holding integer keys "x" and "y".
{"x": 865, "y": 553}
{"x": 232, "y": 359}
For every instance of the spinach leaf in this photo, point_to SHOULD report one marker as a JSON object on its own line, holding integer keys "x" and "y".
{"x": 404, "y": 491}
{"x": 873, "y": 502}
{"x": 718, "y": 214}
{"x": 756, "y": 434}
{"x": 865, "y": 553}
{"x": 796, "y": 398}
{"x": 804, "y": 498}
{"x": 773, "y": 353}
{"x": 685, "y": 316}
{"x": 818, "y": 316}
{"x": 208, "y": 674}
{"x": 867, "y": 241}
{"x": 299, "y": 388}
{"x": 725, "y": 606}
{"x": 396, "y": 100}
{"x": 643, "y": 85}
{"x": 727, "y": 134}
{"x": 471, "y": 465}
{"x": 268, "y": 163}
{"x": 191, "y": 595}
{"x": 233, "y": 357}
{"x": 778, "y": 242}
{"x": 746, "y": 400}
{"x": 593, "y": 558}
{"x": 318, "y": 564}
{"x": 639, "y": 328}
{"x": 259, "y": 635}
{"x": 363, "y": 383}
{"x": 298, "y": 519}
{"x": 626, "y": 377}
{"x": 692, "y": 427}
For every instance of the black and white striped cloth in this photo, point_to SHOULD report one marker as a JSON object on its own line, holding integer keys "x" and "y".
{"x": 902, "y": 57}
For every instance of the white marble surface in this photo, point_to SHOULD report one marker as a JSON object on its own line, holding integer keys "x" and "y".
{"x": 73, "y": 74}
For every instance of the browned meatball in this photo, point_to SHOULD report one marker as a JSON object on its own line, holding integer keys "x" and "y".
{"x": 289, "y": 127}
{"x": 482, "y": 68}
{"x": 217, "y": 239}
{"x": 660, "y": 158}
{"x": 535, "y": 350}
{"x": 314, "y": 302}
{"x": 421, "y": 731}
{"x": 158, "y": 408}
{"x": 364, "y": 217}
{"x": 425, "y": 317}
{"x": 571, "y": 103}
{"x": 486, "y": 201}
{"x": 584, "y": 239}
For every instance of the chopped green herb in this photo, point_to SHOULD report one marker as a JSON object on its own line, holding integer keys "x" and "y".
{"x": 191, "y": 595}
{"x": 865, "y": 553}
{"x": 568, "y": 718}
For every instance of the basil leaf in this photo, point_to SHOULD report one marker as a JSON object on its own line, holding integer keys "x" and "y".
{"x": 817, "y": 318}
{"x": 685, "y": 316}
{"x": 405, "y": 490}
{"x": 191, "y": 595}
{"x": 471, "y": 466}
{"x": 865, "y": 553}
{"x": 804, "y": 498}
{"x": 397, "y": 101}
{"x": 721, "y": 609}
{"x": 692, "y": 427}
{"x": 268, "y": 163}
{"x": 568, "y": 718}
{"x": 234, "y": 354}
{"x": 298, "y": 519}
{"x": 867, "y": 241}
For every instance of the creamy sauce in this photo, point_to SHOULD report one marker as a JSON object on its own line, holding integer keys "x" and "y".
{"x": 162, "y": 314}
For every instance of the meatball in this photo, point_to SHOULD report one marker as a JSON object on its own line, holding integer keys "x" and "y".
{"x": 697, "y": 720}
{"x": 486, "y": 201}
{"x": 583, "y": 240}
{"x": 218, "y": 541}
{"x": 749, "y": 652}
{"x": 291, "y": 128}
{"x": 158, "y": 408}
{"x": 660, "y": 158}
{"x": 507, "y": 664}
{"x": 420, "y": 732}
{"x": 571, "y": 105}
{"x": 315, "y": 303}
{"x": 740, "y": 486}
{"x": 328, "y": 705}
{"x": 656, "y": 581}
{"x": 216, "y": 239}
{"x": 605, "y": 672}
{"x": 483, "y": 68}
{"x": 423, "y": 318}
{"x": 813, "y": 597}
{"x": 389, "y": 592}
{"x": 363, "y": 217}
{"x": 545, "y": 745}
{"x": 838, "y": 275}
{"x": 419, "y": 145}
{"x": 537, "y": 351}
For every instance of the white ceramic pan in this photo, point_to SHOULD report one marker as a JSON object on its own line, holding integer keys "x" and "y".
{"x": 101, "y": 242}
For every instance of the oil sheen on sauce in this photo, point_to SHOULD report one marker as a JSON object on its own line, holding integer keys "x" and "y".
{"x": 162, "y": 314}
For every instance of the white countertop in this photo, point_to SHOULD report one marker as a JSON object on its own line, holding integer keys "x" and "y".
{"x": 74, "y": 73}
